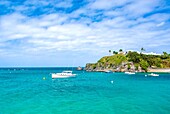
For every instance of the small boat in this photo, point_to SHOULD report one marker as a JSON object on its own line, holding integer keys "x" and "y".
{"x": 64, "y": 74}
{"x": 79, "y": 68}
{"x": 152, "y": 74}
{"x": 129, "y": 72}
{"x": 108, "y": 71}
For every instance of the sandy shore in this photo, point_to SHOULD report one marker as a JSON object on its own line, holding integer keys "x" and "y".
{"x": 159, "y": 70}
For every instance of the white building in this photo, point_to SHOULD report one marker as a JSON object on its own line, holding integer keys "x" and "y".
{"x": 146, "y": 53}
{"x": 150, "y": 53}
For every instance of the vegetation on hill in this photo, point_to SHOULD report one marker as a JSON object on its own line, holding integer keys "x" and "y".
{"x": 112, "y": 60}
{"x": 157, "y": 61}
{"x": 131, "y": 61}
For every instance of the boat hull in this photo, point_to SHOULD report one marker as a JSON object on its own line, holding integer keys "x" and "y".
{"x": 155, "y": 75}
{"x": 62, "y": 76}
{"x": 129, "y": 73}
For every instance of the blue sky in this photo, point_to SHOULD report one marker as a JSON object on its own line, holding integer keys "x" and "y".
{"x": 74, "y": 32}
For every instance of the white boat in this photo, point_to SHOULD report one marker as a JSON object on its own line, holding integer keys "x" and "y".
{"x": 64, "y": 74}
{"x": 129, "y": 72}
{"x": 108, "y": 71}
{"x": 152, "y": 74}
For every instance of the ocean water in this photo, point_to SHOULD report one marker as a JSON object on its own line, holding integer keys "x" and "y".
{"x": 23, "y": 91}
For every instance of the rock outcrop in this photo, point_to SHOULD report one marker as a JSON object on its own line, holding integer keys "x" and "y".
{"x": 130, "y": 62}
{"x": 123, "y": 67}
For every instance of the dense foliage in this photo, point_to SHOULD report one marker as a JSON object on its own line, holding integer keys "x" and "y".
{"x": 138, "y": 59}
{"x": 131, "y": 61}
{"x": 145, "y": 61}
{"x": 114, "y": 60}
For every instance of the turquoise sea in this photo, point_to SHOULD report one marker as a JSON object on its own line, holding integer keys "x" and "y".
{"x": 23, "y": 91}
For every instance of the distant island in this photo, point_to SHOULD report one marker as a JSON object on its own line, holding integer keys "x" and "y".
{"x": 132, "y": 61}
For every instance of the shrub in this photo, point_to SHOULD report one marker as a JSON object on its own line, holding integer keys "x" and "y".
{"x": 129, "y": 66}
{"x": 144, "y": 65}
{"x": 136, "y": 66}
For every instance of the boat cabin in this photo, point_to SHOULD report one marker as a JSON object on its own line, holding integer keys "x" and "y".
{"x": 67, "y": 72}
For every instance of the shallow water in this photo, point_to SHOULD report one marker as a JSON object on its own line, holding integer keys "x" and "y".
{"x": 24, "y": 91}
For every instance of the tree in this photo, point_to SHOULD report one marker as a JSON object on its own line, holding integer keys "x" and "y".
{"x": 165, "y": 55}
{"x": 142, "y": 49}
{"x": 110, "y": 51}
{"x": 136, "y": 66}
{"x": 129, "y": 67}
{"x": 120, "y": 50}
{"x": 114, "y": 52}
{"x": 144, "y": 65}
{"x": 133, "y": 56}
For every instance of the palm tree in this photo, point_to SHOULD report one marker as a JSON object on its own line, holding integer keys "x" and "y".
{"x": 110, "y": 51}
{"x": 165, "y": 53}
{"x": 114, "y": 52}
{"x": 142, "y": 49}
{"x": 120, "y": 50}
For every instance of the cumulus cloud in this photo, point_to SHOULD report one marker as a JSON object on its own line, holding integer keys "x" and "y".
{"x": 108, "y": 4}
{"x": 160, "y": 24}
{"x": 98, "y": 26}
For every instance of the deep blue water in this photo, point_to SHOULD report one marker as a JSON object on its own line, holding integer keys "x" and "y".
{"x": 23, "y": 91}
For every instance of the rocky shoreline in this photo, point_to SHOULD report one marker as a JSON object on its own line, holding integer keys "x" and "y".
{"x": 131, "y": 62}
{"x": 114, "y": 70}
{"x": 124, "y": 67}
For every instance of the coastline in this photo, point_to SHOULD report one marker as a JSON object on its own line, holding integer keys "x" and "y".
{"x": 162, "y": 70}
{"x": 131, "y": 62}
{"x": 158, "y": 70}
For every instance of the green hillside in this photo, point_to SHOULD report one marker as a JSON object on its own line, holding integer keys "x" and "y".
{"x": 131, "y": 61}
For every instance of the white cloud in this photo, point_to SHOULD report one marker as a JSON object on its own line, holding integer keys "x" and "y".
{"x": 107, "y": 4}
{"x": 105, "y": 34}
{"x": 42, "y": 3}
{"x": 140, "y": 7}
{"x": 61, "y": 32}
{"x": 64, "y": 4}
{"x": 160, "y": 24}
{"x": 4, "y": 2}
{"x": 129, "y": 8}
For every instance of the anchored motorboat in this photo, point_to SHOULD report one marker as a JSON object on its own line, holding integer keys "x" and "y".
{"x": 152, "y": 74}
{"x": 108, "y": 71}
{"x": 129, "y": 72}
{"x": 64, "y": 74}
